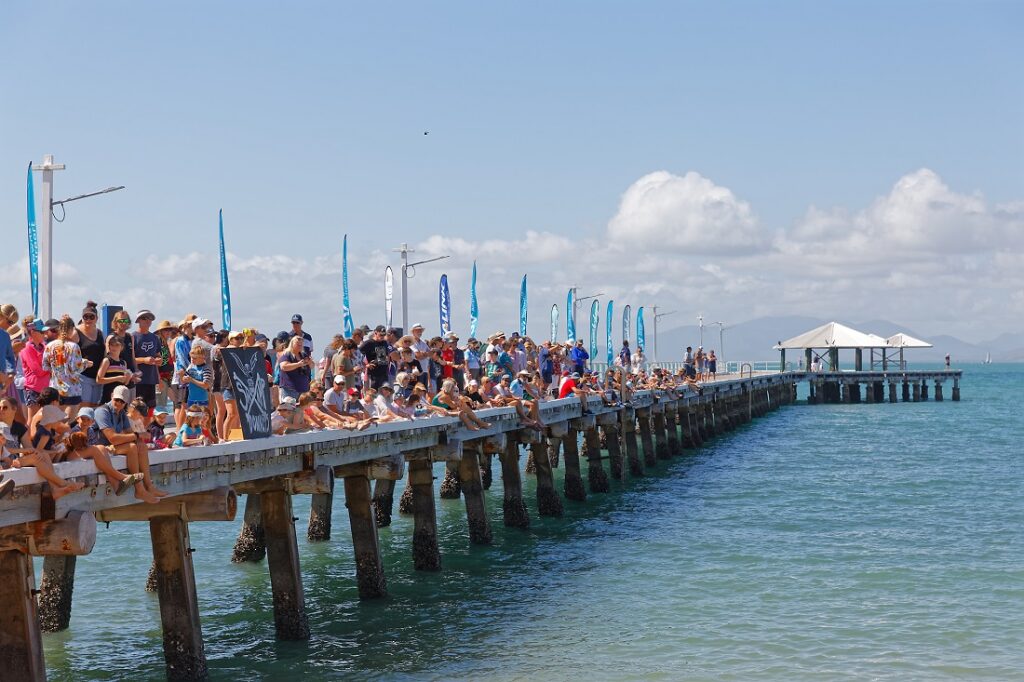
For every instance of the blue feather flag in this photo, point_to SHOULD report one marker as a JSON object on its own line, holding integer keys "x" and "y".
{"x": 593, "y": 330}
{"x": 554, "y": 323}
{"x": 346, "y": 310}
{"x": 570, "y": 319}
{"x": 640, "y": 336}
{"x": 523, "y": 308}
{"x": 608, "y": 333}
{"x": 225, "y": 288}
{"x": 474, "y": 308}
{"x": 444, "y": 304}
{"x": 33, "y": 246}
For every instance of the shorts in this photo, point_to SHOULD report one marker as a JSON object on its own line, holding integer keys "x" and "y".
{"x": 71, "y": 400}
{"x": 288, "y": 393}
{"x": 148, "y": 393}
{"x": 228, "y": 394}
{"x": 547, "y": 376}
{"x": 198, "y": 403}
{"x": 377, "y": 381}
{"x": 31, "y": 397}
{"x": 92, "y": 392}
{"x": 174, "y": 394}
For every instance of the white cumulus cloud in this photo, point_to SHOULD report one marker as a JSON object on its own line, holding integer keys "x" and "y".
{"x": 688, "y": 213}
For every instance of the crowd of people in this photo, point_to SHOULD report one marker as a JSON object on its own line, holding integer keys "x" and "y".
{"x": 68, "y": 391}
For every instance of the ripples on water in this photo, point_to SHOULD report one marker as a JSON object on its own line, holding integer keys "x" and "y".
{"x": 821, "y": 542}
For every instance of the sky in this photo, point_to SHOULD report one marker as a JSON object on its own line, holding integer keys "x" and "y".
{"x": 730, "y": 159}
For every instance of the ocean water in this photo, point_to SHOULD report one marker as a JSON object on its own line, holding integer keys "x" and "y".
{"x": 827, "y": 542}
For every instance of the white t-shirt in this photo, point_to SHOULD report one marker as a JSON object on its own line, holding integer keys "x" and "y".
{"x": 422, "y": 346}
{"x": 334, "y": 398}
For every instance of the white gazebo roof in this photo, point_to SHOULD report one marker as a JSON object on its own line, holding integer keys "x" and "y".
{"x": 902, "y": 340}
{"x": 834, "y": 335}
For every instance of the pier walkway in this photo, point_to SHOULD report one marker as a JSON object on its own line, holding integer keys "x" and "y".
{"x": 204, "y": 482}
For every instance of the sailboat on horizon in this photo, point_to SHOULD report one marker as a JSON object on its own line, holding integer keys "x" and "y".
{"x": 988, "y": 358}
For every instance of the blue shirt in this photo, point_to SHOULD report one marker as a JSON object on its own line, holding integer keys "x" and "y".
{"x": 579, "y": 357}
{"x": 182, "y": 351}
{"x": 544, "y": 360}
{"x": 109, "y": 418}
{"x": 8, "y": 364}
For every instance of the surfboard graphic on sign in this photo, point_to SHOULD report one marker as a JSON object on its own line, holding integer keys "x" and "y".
{"x": 248, "y": 376}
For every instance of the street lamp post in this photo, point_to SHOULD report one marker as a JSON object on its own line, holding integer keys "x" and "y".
{"x": 700, "y": 323}
{"x": 657, "y": 316}
{"x": 721, "y": 343}
{"x": 405, "y": 251}
{"x": 46, "y": 234}
{"x": 576, "y": 301}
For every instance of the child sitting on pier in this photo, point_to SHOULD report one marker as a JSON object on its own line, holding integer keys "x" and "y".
{"x": 78, "y": 445}
{"x": 191, "y": 432}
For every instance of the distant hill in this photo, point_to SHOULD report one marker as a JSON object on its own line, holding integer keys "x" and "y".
{"x": 753, "y": 340}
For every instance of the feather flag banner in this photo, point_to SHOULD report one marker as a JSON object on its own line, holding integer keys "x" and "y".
{"x": 474, "y": 307}
{"x": 389, "y": 295}
{"x": 523, "y": 308}
{"x": 554, "y": 323}
{"x": 640, "y": 340}
{"x": 608, "y": 333}
{"x": 625, "y": 322}
{"x": 225, "y": 288}
{"x": 570, "y": 319}
{"x": 33, "y": 246}
{"x": 593, "y": 330}
{"x": 444, "y": 305}
{"x": 346, "y": 310}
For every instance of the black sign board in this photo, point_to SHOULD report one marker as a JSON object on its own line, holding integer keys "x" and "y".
{"x": 247, "y": 373}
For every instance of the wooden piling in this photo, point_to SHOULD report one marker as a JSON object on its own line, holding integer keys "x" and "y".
{"x": 956, "y": 390}
{"x": 450, "y": 488}
{"x": 596, "y": 476}
{"x": 290, "y": 620}
{"x": 320, "y": 508}
{"x": 675, "y": 448}
{"x": 628, "y": 421}
{"x": 614, "y": 447}
{"x": 548, "y": 501}
{"x": 513, "y": 507}
{"x": 55, "y": 592}
{"x": 179, "y": 605}
{"x": 572, "y": 486}
{"x": 554, "y": 446}
{"x": 938, "y": 391}
{"x": 660, "y": 435}
{"x": 21, "y": 642}
{"x": 916, "y": 387}
{"x": 924, "y": 390}
{"x": 383, "y": 501}
{"x": 251, "y": 544}
{"x": 365, "y": 542}
{"x": 425, "y": 553}
{"x": 473, "y": 495}
{"x": 892, "y": 391}
{"x": 486, "y": 472}
{"x": 906, "y": 391}
{"x": 405, "y": 501}
{"x": 643, "y": 417}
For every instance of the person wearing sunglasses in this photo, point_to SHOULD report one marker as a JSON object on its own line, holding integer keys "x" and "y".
{"x": 90, "y": 341}
{"x": 116, "y": 431}
{"x": 122, "y": 324}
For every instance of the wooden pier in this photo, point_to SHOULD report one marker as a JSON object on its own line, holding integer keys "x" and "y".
{"x": 204, "y": 484}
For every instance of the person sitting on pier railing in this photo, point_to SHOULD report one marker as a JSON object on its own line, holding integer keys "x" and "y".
{"x": 287, "y": 418}
{"x": 318, "y": 416}
{"x": 45, "y": 436}
{"x": 115, "y": 430}
{"x": 79, "y": 448}
{"x": 452, "y": 405}
{"x": 190, "y": 434}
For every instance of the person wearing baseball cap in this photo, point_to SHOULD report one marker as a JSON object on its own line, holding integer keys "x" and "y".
{"x": 307, "y": 340}
{"x": 146, "y": 347}
{"x": 115, "y": 430}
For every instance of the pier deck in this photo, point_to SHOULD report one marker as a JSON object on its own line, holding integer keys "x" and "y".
{"x": 203, "y": 483}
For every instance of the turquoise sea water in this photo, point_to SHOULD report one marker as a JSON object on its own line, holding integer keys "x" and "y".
{"x": 820, "y": 542}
